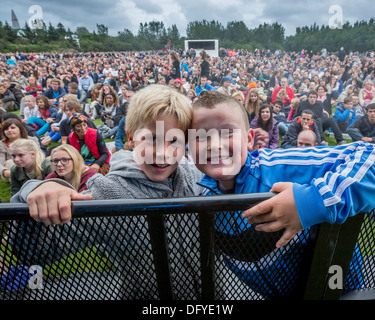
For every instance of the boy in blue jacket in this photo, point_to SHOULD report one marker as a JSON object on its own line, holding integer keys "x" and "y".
{"x": 314, "y": 185}
{"x": 345, "y": 114}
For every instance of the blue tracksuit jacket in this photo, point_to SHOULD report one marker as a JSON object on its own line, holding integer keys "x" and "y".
{"x": 330, "y": 184}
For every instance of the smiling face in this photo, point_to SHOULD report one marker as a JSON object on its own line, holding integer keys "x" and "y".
{"x": 265, "y": 114}
{"x": 159, "y": 146}
{"x": 222, "y": 153}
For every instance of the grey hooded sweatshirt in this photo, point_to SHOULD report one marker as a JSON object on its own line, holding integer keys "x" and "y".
{"x": 123, "y": 240}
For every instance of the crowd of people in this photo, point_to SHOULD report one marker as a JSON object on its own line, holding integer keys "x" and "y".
{"x": 286, "y": 98}
{"x": 278, "y": 91}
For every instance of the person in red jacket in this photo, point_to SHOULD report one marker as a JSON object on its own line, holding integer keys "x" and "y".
{"x": 89, "y": 143}
{"x": 289, "y": 91}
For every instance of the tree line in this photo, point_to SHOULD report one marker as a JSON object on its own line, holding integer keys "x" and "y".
{"x": 155, "y": 35}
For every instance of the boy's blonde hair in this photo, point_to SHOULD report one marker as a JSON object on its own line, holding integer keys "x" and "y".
{"x": 30, "y": 97}
{"x": 154, "y": 101}
{"x": 30, "y": 146}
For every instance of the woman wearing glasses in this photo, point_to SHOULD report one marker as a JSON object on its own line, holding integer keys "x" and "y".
{"x": 68, "y": 165}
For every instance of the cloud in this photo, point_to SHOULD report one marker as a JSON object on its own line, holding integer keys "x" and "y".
{"x": 118, "y": 15}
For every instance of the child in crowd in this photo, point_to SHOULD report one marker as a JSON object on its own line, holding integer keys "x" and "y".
{"x": 31, "y": 109}
{"x": 344, "y": 114}
{"x": 48, "y": 114}
{"x": 280, "y": 116}
{"x": 325, "y": 182}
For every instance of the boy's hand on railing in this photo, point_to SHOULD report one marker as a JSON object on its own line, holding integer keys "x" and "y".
{"x": 50, "y": 203}
{"x": 279, "y": 212}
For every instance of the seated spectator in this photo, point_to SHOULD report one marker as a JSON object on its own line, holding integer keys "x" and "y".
{"x": 364, "y": 127}
{"x": 279, "y": 115}
{"x": 325, "y": 98}
{"x": 68, "y": 165}
{"x": 289, "y": 92}
{"x": 15, "y": 88}
{"x": 293, "y": 109}
{"x": 71, "y": 106}
{"x": 306, "y": 138}
{"x": 31, "y": 131}
{"x": 89, "y": 143}
{"x": 31, "y": 109}
{"x": 13, "y": 129}
{"x": 265, "y": 121}
{"x": 54, "y": 134}
{"x": 334, "y": 87}
{"x": 226, "y": 87}
{"x": 203, "y": 86}
{"x": 108, "y": 114}
{"x": 299, "y": 88}
{"x": 178, "y": 86}
{"x": 252, "y": 103}
{"x": 344, "y": 114}
{"x": 359, "y": 110}
{"x": 322, "y": 120}
{"x": 29, "y": 163}
{"x": 366, "y": 95}
{"x": 48, "y": 115}
{"x": 7, "y": 99}
{"x": 301, "y": 123}
{"x": 55, "y": 92}
{"x": 348, "y": 92}
{"x": 191, "y": 95}
{"x": 239, "y": 96}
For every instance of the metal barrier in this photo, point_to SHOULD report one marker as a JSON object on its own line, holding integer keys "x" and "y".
{"x": 195, "y": 248}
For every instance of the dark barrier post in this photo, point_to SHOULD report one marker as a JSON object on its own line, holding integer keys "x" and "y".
{"x": 334, "y": 246}
{"x": 207, "y": 238}
{"x": 160, "y": 253}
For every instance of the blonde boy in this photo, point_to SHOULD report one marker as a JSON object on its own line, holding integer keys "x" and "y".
{"x": 150, "y": 171}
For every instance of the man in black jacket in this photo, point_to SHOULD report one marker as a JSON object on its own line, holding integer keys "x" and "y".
{"x": 304, "y": 122}
{"x": 321, "y": 117}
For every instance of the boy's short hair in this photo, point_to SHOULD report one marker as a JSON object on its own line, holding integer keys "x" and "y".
{"x": 348, "y": 100}
{"x": 56, "y": 80}
{"x": 156, "y": 100}
{"x": 212, "y": 98}
{"x": 312, "y": 92}
{"x": 73, "y": 85}
{"x": 370, "y": 106}
{"x": 308, "y": 111}
{"x": 279, "y": 102}
{"x": 73, "y": 105}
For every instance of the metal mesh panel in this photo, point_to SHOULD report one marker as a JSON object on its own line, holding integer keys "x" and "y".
{"x": 361, "y": 274}
{"x": 121, "y": 257}
{"x": 249, "y": 264}
{"x": 89, "y": 258}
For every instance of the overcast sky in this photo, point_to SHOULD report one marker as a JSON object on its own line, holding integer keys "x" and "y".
{"x": 118, "y": 15}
